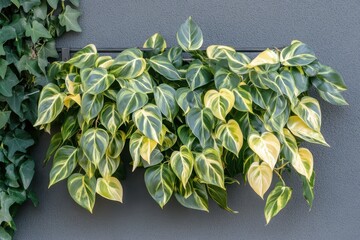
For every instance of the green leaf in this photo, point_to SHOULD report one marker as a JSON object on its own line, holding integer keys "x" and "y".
{"x": 277, "y": 114}
{"x": 182, "y": 163}
{"x": 328, "y": 80}
{"x": 128, "y": 101}
{"x": 142, "y": 84}
{"x": 91, "y": 105}
{"x": 64, "y": 163}
{"x": 110, "y": 118}
{"x": 208, "y": 167}
{"x": 82, "y": 190}
{"x": 84, "y": 58}
{"x": 174, "y": 55}
{"x": 55, "y": 143}
{"x": 188, "y": 99}
{"x": 219, "y": 195}
{"x": 149, "y": 121}
{"x": 8, "y": 83}
{"x": 4, "y": 117}
{"x": 134, "y": 148}
{"x": 86, "y": 164}
{"x": 201, "y": 123}
{"x": 6, "y": 202}
{"x": 159, "y": 181}
{"x": 297, "y": 54}
{"x": 197, "y": 200}
{"x": 108, "y": 165}
{"x": 163, "y": 66}
{"x": 26, "y": 172}
{"x": 219, "y": 52}
{"x": 243, "y": 99}
{"x": 165, "y": 99}
{"x": 226, "y": 79}
{"x": 69, "y": 128}
{"x": 37, "y": 31}
{"x": 198, "y": 75}
{"x": 4, "y": 235}
{"x": 3, "y": 66}
{"x": 238, "y": 62}
{"x": 276, "y": 201}
{"x": 116, "y": 144}
{"x": 94, "y": 143}
{"x": 128, "y": 64}
{"x": 110, "y": 188}
{"x": 308, "y": 109}
{"x": 308, "y": 189}
{"x": 189, "y": 36}
{"x": 267, "y": 57}
{"x": 97, "y": 81}
{"x": 230, "y": 136}
{"x": 7, "y": 33}
{"x": 155, "y": 42}
{"x": 333, "y": 97}
{"x": 185, "y": 135}
{"x": 53, "y": 3}
{"x": 18, "y": 141}
{"x": 51, "y": 103}
{"x": 219, "y": 102}
{"x": 69, "y": 19}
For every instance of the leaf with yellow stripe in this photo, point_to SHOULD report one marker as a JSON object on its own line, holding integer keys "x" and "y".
{"x": 97, "y": 81}
{"x": 155, "y": 42}
{"x": 198, "y": 75}
{"x": 91, "y": 105}
{"x": 94, "y": 143}
{"x": 308, "y": 109}
{"x": 304, "y": 163}
{"x": 85, "y": 57}
{"x": 259, "y": 177}
{"x": 243, "y": 99}
{"x": 159, "y": 181}
{"x": 226, "y": 79}
{"x": 209, "y": 168}
{"x": 266, "y": 146}
{"x": 238, "y": 62}
{"x": 267, "y": 57}
{"x": 149, "y": 121}
{"x": 219, "y": 52}
{"x": 108, "y": 165}
{"x": 128, "y": 64}
{"x": 147, "y": 146}
{"x": 201, "y": 123}
{"x": 128, "y": 101}
{"x": 189, "y": 36}
{"x": 182, "y": 163}
{"x": 230, "y": 136}
{"x": 51, "y": 103}
{"x": 163, "y": 66}
{"x": 297, "y": 54}
{"x": 82, "y": 190}
{"x": 276, "y": 201}
{"x": 165, "y": 99}
{"x": 110, "y": 118}
{"x": 299, "y": 128}
{"x": 64, "y": 163}
{"x": 110, "y": 188}
{"x": 220, "y": 102}
{"x": 116, "y": 144}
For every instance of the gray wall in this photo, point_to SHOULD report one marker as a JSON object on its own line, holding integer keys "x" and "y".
{"x": 331, "y": 28}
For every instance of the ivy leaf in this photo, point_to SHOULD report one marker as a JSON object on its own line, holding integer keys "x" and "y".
{"x": 7, "y": 33}
{"x": 69, "y": 19}
{"x": 3, "y": 66}
{"x": 53, "y": 3}
{"x": 26, "y": 172}
{"x": 8, "y": 82}
{"x": 29, "y": 4}
{"x": 4, "y": 117}
{"x": 6, "y": 202}
{"x": 18, "y": 141}
{"x": 36, "y": 31}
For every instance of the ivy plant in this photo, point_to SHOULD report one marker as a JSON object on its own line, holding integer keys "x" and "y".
{"x": 194, "y": 125}
{"x": 28, "y": 30}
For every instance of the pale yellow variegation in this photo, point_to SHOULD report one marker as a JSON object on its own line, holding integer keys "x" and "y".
{"x": 266, "y": 57}
{"x": 266, "y": 146}
{"x": 304, "y": 163}
{"x": 220, "y": 102}
{"x": 259, "y": 177}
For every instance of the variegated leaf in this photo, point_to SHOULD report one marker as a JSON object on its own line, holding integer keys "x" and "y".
{"x": 109, "y": 188}
{"x": 174, "y": 55}
{"x": 267, "y": 57}
{"x": 110, "y": 118}
{"x": 308, "y": 189}
{"x": 168, "y": 139}
{"x": 147, "y": 146}
{"x": 259, "y": 177}
{"x": 85, "y": 57}
{"x": 201, "y": 123}
{"x": 142, "y": 83}
{"x": 55, "y": 143}
{"x": 219, "y": 102}
{"x": 188, "y": 99}
{"x": 64, "y": 163}
{"x": 163, "y": 66}
{"x": 299, "y": 128}
{"x": 304, "y": 163}
{"x": 94, "y": 143}
{"x": 185, "y": 135}
{"x": 198, "y": 75}
{"x": 243, "y": 99}
{"x": 308, "y": 109}
{"x": 128, "y": 64}
{"x": 182, "y": 163}
{"x": 134, "y": 148}
{"x": 189, "y": 36}
{"x": 301, "y": 80}
{"x": 290, "y": 147}
{"x": 328, "y": 80}
{"x": 51, "y": 103}
{"x": 149, "y": 121}
{"x": 198, "y": 198}
{"x": 73, "y": 83}
{"x": 108, "y": 165}
{"x": 219, "y": 195}
{"x": 156, "y": 157}
{"x": 297, "y": 54}
{"x": 69, "y": 128}
{"x": 128, "y": 101}
{"x": 104, "y": 62}
{"x": 219, "y": 52}
{"x": 230, "y": 136}
{"x": 287, "y": 85}
{"x": 276, "y": 201}
{"x": 98, "y": 80}
{"x": 86, "y": 164}
{"x": 165, "y": 99}
{"x": 334, "y": 98}
{"x": 226, "y": 79}
{"x": 209, "y": 168}
{"x": 116, "y": 144}
{"x": 266, "y": 146}
{"x": 82, "y": 190}
{"x": 277, "y": 114}
{"x": 238, "y": 62}
{"x": 159, "y": 181}
{"x": 155, "y": 42}
{"x": 91, "y": 105}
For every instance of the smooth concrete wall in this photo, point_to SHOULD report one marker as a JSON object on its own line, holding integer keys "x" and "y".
{"x": 331, "y": 28}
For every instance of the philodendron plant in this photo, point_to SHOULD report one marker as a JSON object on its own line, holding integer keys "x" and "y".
{"x": 194, "y": 125}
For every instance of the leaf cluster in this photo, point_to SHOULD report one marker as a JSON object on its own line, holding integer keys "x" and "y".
{"x": 28, "y": 30}
{"x": 194, "y": 125}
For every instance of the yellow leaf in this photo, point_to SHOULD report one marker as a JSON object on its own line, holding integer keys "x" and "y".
{"x": 266, "y": 146}
{"x": 304, "y": 163}
{"x": 266, "y": 57}
{"x": 220, "y": 102}
{"x": 260, "y": 177}
{"x": 147, "y": 146}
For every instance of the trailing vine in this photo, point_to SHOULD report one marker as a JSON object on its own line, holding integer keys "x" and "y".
{"x": 28, "y": 29}
{"x": 194, "y": 125}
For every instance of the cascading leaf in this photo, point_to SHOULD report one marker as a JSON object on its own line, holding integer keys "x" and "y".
{"x": 201, "y": 123}
{"x": 82, "y": 190}
{"x": 230, "y": 136}
{"x": 219, "y": 102}
{"x": 149, "y": 121}
{"x": 297, "y": 54}
{"x": 129, "y": 64}
{"x": 259, "y": 177}
{"x": 276, "y": 201}
{"x": 94, "y": 143}
{"x": 189, "y": 36}
{"x": 182, "y": 163}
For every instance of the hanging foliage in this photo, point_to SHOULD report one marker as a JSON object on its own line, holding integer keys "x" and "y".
{"x": 193, "y": 125}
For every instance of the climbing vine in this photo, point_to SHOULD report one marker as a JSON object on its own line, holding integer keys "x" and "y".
{"x": 28, "y": 29}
